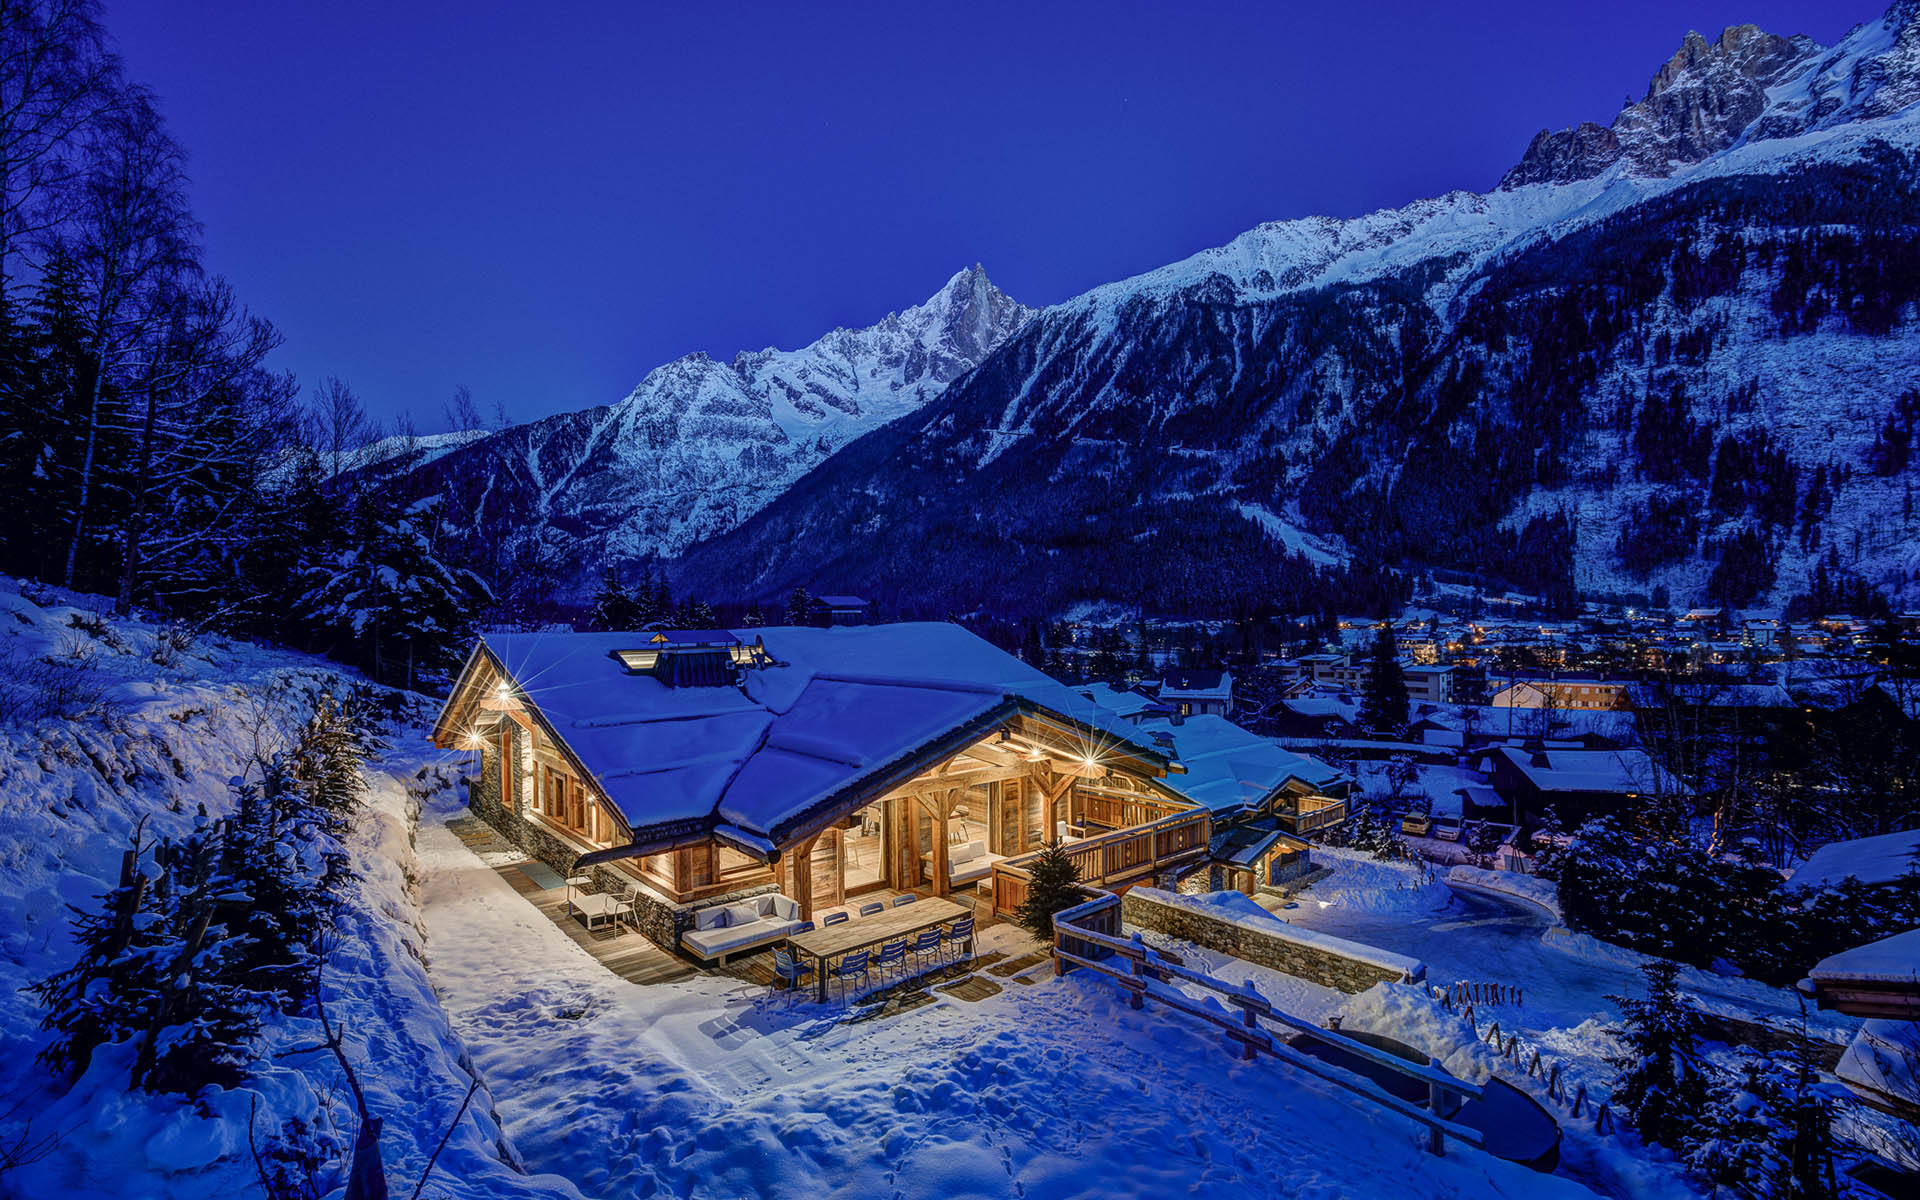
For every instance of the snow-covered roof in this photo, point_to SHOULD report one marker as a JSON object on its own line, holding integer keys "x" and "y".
{"x": 1229, "y": 768}
{"x": 1584, "y": 770}
{"x": 1196, "y": 682}
{"x": 1122, "y": 702}
{"x": 1881, "y": 859}
{"x": 836, "y": 708}
{"x": 1893, "y": 960}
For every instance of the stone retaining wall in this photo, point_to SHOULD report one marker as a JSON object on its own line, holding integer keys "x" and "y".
{"x": 1319, "y": 964}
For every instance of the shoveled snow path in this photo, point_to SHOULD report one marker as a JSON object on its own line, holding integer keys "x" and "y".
{"x": 708, "y": 1088}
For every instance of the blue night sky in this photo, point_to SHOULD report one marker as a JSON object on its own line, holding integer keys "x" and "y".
{"x": 545, "y": 201}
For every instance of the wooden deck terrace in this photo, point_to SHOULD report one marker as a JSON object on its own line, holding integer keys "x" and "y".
{"x": 632, "y": 956}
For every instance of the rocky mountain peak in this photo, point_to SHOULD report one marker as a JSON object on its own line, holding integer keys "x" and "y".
{"x": 1747, "y": 85}
{"x": 1700, "y": 102}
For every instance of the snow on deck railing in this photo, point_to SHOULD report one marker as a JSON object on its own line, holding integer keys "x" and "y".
{"x": 1078, "y": 943}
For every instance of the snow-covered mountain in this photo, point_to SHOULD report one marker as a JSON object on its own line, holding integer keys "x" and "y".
{"x": 701, "y": 445}
{"x": 1663, "y": 354}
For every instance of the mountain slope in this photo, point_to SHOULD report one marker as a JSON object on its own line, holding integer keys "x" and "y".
{"x": 700, "y": 445}
{"x": 1664, "y": 354}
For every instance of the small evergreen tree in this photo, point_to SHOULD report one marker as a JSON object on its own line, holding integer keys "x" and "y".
{"x": 1053, "y": 884}
{"x": 799, "y": 606}
{"x": 613, "y": 606}
{"x": 101, "y": 997}
{"x": 1383, "y": 697}
{"x": 1737, "y": 1142}
{"x": 1661, "y": 1082}
{"x": 201, "y": 1016}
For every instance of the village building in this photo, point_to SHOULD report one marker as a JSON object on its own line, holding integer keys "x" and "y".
{"x": 828, "y": 611}
{"x": 1577, "y": 784}
{"x": 1562, "y": 693}
{"x": 1197, "y": 691}
{"x": 699, "y": 771}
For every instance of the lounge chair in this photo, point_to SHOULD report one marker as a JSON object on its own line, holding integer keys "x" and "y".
{"x": 720, "y": 931}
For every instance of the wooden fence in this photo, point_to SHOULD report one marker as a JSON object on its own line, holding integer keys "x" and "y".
{"x": 1087, "y": 935}
{"x": 1122, "y": 856}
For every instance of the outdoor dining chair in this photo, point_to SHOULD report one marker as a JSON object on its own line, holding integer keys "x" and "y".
{"x": 904, "y": 899}
{"x": 802, "y": 927}
{"x": 960, "y": 933}
{"x": 853, "y": 966}
{"x": 874, "y": 909}
{"x": 927, "y": 943}
{"x": 893, "y": 954}
{"x": 790, "y": 971}
{"x": 833, "y": 918}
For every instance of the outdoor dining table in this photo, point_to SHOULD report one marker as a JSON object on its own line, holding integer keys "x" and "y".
{"x": 832, "y": 941}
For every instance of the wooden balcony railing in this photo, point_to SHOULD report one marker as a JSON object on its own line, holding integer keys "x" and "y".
{"x": 1308, "y": 813}
{"x": 1118, "y": 857}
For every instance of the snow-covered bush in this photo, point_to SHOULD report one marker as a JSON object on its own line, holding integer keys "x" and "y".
{"x": 1671, "y": 897}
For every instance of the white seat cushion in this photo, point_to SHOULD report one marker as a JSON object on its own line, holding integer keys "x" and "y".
{"x": 709, "y": 918}
{"x": 708, "y": 943}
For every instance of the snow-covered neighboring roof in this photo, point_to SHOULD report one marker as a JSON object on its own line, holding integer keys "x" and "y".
{"x": 1344, "y": 707}
{"x": 837, "y": 707}
{"x": 1893, "y": 960}
{"x": 1881, "y": 859}
{"x": 1584, "y": 770}
{"x": 1122, "y": 702}
{"x": 1229, "y": 768}
{"x": 1195, "y": 682}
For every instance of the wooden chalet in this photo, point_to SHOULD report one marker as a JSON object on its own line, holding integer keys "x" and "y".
{"x": 699, "y": 767}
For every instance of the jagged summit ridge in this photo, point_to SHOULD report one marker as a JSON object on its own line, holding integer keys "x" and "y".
{"x": 1746, "y": 85}
{"x": 700, "y": 444}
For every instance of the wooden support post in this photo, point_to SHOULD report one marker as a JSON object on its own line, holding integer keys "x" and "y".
{"x": 802, "y": 867}
{"x": 1437, "y": 1105}
{"x": 942, "y": 870}
{"x": 1049, "y": 809}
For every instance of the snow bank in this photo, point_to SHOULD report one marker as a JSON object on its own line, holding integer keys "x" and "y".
{"x": 1362, "y": 883}
{"x": 1409, "y": 1013}
{"x": 1530, "y": 888}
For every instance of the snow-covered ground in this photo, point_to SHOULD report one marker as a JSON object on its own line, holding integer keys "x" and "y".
{"x": 159, "y": 723}
{"x": 709, "y": 1087}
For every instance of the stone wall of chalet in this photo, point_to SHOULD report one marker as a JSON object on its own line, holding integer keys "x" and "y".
{"x": 1319, "y": 964}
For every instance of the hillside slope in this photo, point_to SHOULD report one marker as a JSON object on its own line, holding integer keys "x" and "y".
{"x": 107, "y": 723}
{"x": 1711, "y": 299}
